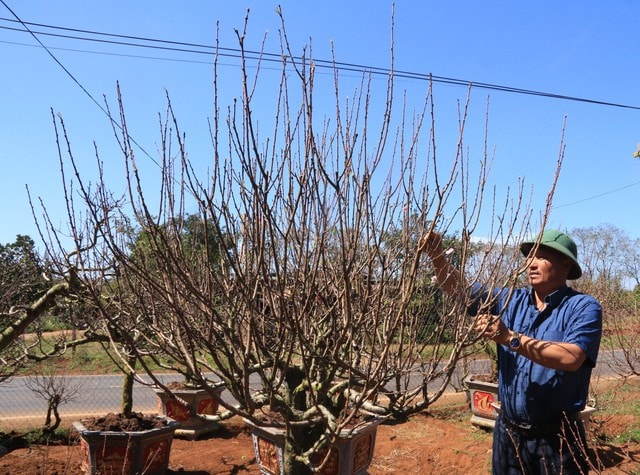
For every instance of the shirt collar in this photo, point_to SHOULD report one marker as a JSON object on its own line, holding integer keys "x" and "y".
{"x": 553, "y": 299}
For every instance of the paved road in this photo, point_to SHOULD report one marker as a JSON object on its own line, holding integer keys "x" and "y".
{"x": 97, "y": 394}
{"x": 101, "y": 394}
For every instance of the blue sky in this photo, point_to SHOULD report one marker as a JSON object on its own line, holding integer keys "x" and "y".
{"x": 587, "y": 49}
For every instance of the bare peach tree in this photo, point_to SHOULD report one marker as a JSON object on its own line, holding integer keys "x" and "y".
{"x": 55, "y": 390}
{"x": 611, "y": 272}
{"x": 290, "y": 271}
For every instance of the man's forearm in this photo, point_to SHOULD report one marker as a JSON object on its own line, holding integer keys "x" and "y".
{"x": 550, "y": 354}
{"x": 447, "y": 276}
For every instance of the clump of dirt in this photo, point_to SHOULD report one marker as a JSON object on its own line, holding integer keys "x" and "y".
{"x": 120, "y": 423}
{"x": 13, "y": 440}
{"x": 181, "y": 386}
{"x": 485, "y": 378}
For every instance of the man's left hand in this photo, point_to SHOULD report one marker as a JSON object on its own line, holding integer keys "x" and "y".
{"x": 492, "y": 327}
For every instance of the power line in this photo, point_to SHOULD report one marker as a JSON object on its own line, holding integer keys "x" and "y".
{"x": 105, "y": 53}
{"x": 600, "y": 195}
{"x": 77, "y": 82}
{"x": 183, "y": 47}
{"x": 210, "y": 50}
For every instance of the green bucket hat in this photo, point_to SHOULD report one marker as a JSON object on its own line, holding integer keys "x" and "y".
{"x": 554, "y": 239}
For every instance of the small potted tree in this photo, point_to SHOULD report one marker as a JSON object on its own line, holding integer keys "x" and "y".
{"x": 127, "y": 442}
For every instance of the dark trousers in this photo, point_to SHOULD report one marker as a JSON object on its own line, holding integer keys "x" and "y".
{"x": 559, "y": 452}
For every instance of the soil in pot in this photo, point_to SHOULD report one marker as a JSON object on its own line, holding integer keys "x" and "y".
{"x": 181, "y": 386}
{"x": 112, "y": 422}
{"x": 115, "y": 444}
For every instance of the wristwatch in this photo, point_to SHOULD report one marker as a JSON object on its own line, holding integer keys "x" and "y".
{"x": 514, "y": 341}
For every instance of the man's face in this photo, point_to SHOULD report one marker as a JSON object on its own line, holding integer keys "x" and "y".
{"x": 547, "y": 269}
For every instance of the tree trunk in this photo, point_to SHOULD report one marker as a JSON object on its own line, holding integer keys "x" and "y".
{"x": 127, "y": 388}
{"x": 52, "y": 408}
{"x": 291, "y": 465}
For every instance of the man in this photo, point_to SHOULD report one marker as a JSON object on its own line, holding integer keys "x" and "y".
{"x": 548, "y": 336}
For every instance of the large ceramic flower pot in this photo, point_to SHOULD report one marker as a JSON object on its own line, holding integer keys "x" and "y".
{"x": 485, "y": 404}
{"x": 483, "y": 399}
{"x": 126, "y": 453}
{"x": 198, "y": 401}
{"x": 350, "y": 454}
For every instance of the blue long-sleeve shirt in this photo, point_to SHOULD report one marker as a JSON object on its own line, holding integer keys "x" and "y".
{"x": 528, "y": 391}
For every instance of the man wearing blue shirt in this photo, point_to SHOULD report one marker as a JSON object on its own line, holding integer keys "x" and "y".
{"x": 548, "y": 336}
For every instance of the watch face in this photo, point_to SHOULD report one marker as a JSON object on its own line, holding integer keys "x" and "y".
{"x": 514, "y": 342}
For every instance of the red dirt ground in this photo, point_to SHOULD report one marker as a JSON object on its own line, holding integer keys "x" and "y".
{"x": 441, "y": 441}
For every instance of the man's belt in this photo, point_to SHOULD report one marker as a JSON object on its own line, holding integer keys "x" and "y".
{"x": 538, "y": 430}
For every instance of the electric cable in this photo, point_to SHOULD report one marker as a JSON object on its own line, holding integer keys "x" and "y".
{"x": 210, "y": 50}
{"x": 79, "y": 84}
{"x": 185, "y": 47}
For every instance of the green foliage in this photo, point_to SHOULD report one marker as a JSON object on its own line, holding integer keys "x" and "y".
{"x": 620, "y": 400}
{"x": 427, "y": 305}
{"x": 192, "y": 239}
{"x": 91, "y": 358}
{"x": 21, "y": 269}
{"x": 51, "y": 323}
{"x": 37, "y": 436}
{"x": 632, "y": 434}
{"x": 60, "y": 434}
{"x": 430, "y": 304}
